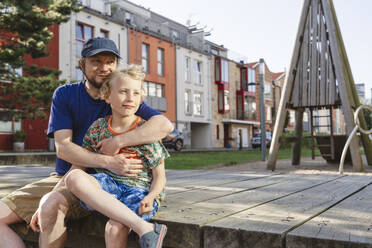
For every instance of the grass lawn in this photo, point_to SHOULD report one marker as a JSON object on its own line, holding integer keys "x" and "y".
{"x": 199, "y": 160}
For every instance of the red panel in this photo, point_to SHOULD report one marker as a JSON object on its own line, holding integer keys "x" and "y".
{"x": 36, "y": 134}
{"x": 52, "y": 48}
{"x": 6, "y": 141}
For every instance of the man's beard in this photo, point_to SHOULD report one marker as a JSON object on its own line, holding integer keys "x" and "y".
{"x": 93, "y": 82}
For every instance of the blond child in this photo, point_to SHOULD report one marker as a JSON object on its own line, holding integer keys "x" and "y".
{"x": 130, "y": 200}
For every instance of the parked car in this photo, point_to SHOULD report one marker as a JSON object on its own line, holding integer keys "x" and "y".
{"x": 174, "y": 140}
{"x": 256, "y": 139}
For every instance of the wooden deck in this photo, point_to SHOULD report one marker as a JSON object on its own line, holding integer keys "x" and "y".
{"x": 247, "y": 209}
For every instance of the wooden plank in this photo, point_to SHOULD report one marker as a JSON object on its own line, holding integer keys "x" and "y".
{"x": 189, "y": 218}
{"x": 210, "y": 210}
{"x": 173, "y": 174}
{"x": 219, "y": 190}
{"x": 279, "y": 122}
{"x": 365, "y": 138}
{"x": 348, "y": 224}
{"x": 296, "y": 154}
{"x": 305, "y": 64}
{"x": 296, "y": 88}
{"x": 327, "y": 75}
{"x": 314, "y": 54}
{"x": 266, "y": 225}
{"x": 180, "y": 186}
{"x": 332, "y": 79}
{"x": 323, "y": 68}
{"x": 342, "y": 87}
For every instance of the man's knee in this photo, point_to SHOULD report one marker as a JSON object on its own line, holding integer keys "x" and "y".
{"x": 114, "y": 229}
{"x": 51, "y": 205}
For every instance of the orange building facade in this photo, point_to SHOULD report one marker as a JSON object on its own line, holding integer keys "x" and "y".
{"x": 158, "y": 58}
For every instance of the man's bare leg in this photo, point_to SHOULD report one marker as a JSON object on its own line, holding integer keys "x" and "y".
{"x": 52, "y": 213}
{"x": 116, "y": 234}
{"x": 8, "y": 238}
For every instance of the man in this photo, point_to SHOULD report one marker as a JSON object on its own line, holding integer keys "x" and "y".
{"x": 74, "y": 108}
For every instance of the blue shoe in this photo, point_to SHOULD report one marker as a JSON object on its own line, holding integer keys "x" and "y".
{"x": 155, "y": 238}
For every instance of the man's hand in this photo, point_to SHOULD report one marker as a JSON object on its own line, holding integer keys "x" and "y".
{"x": 122, "y": 165}
{"x": 34, "y": 224}
{"x": 146, "y": 204}
{"x": 109, "y": 146}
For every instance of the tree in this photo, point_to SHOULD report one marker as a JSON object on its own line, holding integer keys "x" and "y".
{"x": 367, "y": 116}
{"x": 24, "y": 30}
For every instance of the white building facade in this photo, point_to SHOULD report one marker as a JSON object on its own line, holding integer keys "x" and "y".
{"x": 193, "y": 77}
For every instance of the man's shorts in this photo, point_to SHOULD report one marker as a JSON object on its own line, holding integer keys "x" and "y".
{"x": 129, "y": 196}
{"x": 25, "y": 201}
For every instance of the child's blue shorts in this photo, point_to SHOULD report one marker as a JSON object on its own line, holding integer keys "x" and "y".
{"x": 130, "y": 196}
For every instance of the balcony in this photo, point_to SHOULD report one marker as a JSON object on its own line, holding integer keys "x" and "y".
{"x": 158, "y": 103}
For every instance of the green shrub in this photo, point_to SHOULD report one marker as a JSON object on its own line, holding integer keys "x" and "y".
{"x": 19, "y": 136}
{"x": 306, "y": 142}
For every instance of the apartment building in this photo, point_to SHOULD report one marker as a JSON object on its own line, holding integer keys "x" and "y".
{"x": 233, "y": 101}
{"x": 193, "y": 101}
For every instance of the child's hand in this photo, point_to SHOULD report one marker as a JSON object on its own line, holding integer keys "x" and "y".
{"x": 146, "y": 205}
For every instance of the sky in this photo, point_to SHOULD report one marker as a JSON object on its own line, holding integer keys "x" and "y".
{"x": 267, "y": 28}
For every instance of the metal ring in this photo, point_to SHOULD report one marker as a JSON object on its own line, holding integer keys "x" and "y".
{"x": 351, "y": 135}
{"x": 356, "y": 119}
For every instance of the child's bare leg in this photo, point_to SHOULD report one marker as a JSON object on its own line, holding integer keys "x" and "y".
{"x": 116, "y": 234}
{"x": 87, "y": 189}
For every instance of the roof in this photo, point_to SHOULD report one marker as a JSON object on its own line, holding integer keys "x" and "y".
{"x": 252, "y": 64}
{"x": 277, "y": 75}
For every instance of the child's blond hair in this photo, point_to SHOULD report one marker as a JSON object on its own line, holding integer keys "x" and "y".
{"x": 133, "y": 71}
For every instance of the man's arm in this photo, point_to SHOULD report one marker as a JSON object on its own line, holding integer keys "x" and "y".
{"x": 77, "y": 155}
{"x": 156, "y": 128}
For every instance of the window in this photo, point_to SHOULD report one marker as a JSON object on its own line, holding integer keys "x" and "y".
{"x": 217, "y": 132}
{"x": 128, "y": 17}
{"x": 246, "y": 106}
{"x": 268, "y": 113}
{"x": 175, "y": 34}
{"x": 187, "y": 69}
{"x": 222, "y": 70}
{"x": 226, "y": 96}
{"x": 103, "y": 33}
{"x": 250, "y": 107}
{"x": 198, "y": 103}
{"x": 223, "y": 98}
{"x": 218, "y": 70}
{"x": 83, "y": 33}
{"x": 214, "y": 51}
{"x": 161, "y": 62}
{"x": 243, "y": 79}
{"x": 225, "y": 71}
{"x": 145, "y": 57}
{"x": 251, "y": 80}
{"x": 6, "y": 122}
{"x": 267, "y": 90}
{"x": 187, "y": 102}
{"x": 197, "y": 72}
{"x": 153, "y": 89}
{"x": 291, "y": 117}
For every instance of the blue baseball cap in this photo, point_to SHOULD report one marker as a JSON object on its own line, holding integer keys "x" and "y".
{"x": 98, "y": 45}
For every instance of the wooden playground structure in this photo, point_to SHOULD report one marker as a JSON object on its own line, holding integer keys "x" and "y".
{"x": 320, "y": 78}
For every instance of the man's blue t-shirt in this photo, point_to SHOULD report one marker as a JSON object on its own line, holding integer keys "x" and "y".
{"x": 73, "y": 108}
